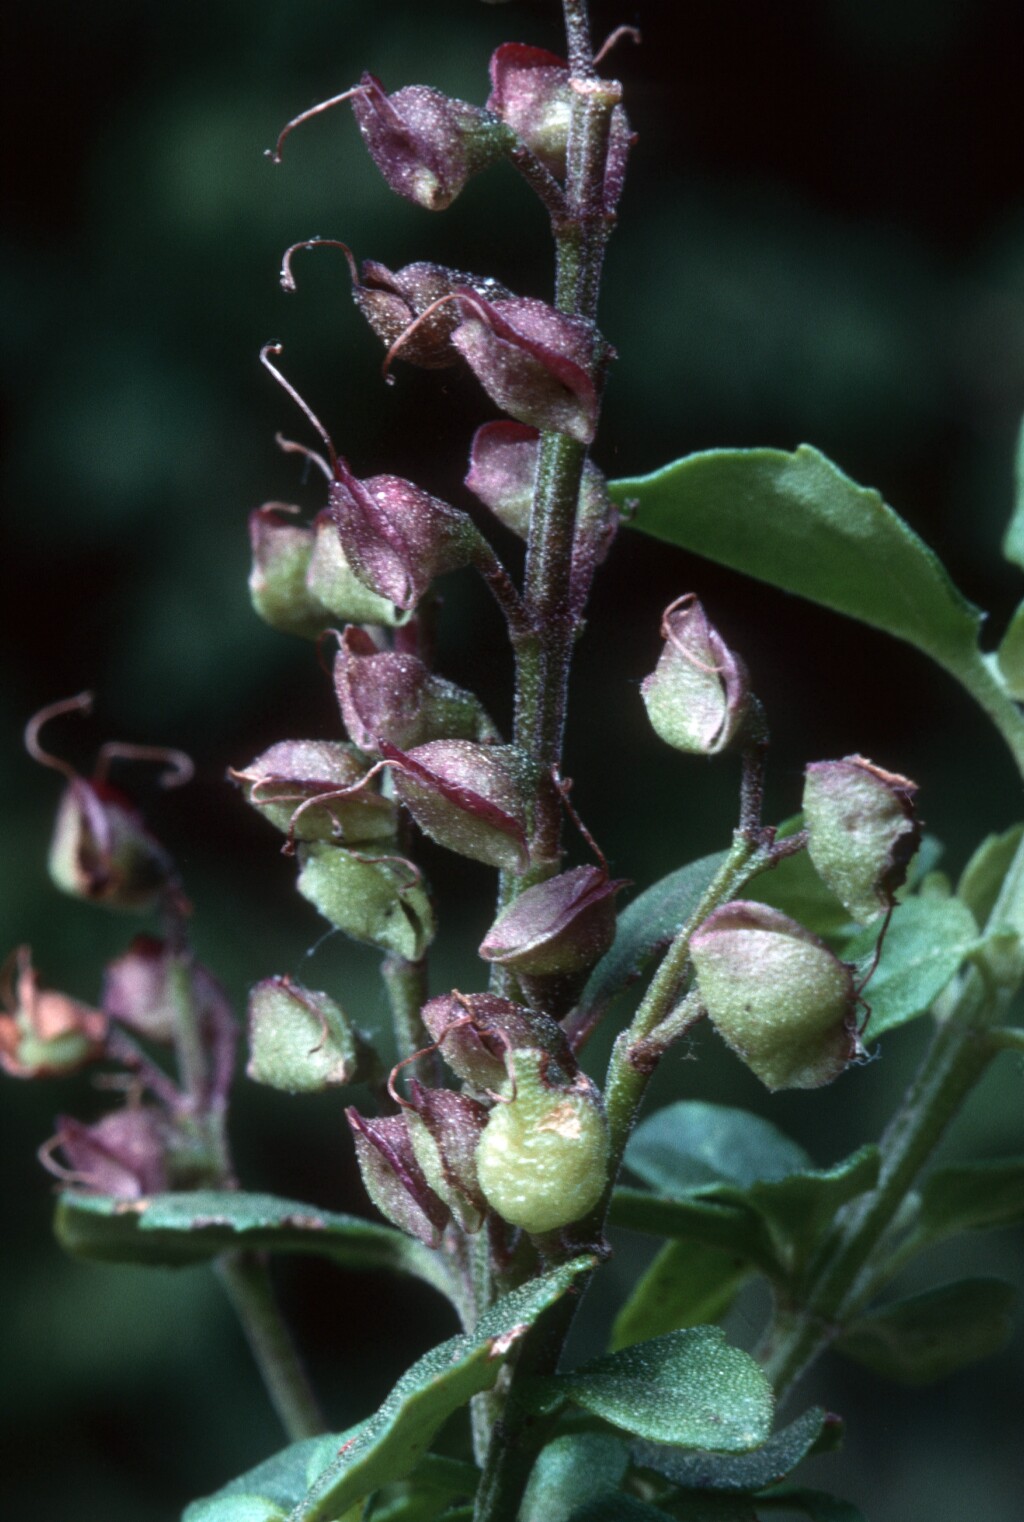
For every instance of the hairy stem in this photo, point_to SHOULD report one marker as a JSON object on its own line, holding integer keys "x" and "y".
{"x": 247, "y": 1282}
{"x": 845, "y": 1270}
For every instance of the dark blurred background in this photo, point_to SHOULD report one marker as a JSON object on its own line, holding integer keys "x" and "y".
{"x": 822, "y": 239}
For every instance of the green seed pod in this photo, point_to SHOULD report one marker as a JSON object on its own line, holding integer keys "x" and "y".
{"x": 445, "y": 1129}
{"x": 777, "y": 995}
{"x": 300, "y": 1040}
{"x": 542, "y": 1160}
{"x": 698, "y": 694}
{"x": 281, "y": 551}
{"x": 379, "y": 899}
{"x": 861, "y": 831}
{"x": 102, "y": 851}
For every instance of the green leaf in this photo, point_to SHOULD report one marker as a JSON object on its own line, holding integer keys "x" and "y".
{"x": 795, "y": 888}
{"x": 689, "y": 1387}
{"x": 926, "y": 943}
{"x": 693, "y": 1147}
{"x": 1010, "y": 656}
{"x": 616, "y": 1508}
{"x": 176, "y": 1229}
{"x": 688, "y": 1284}
{"x": 647, "y": 925}
{"x": 737, "y": 1229}
{"x": 927, "y": 1336}
{"x": 972, "y": 1196}
{"x": 268, "y": 1492}
{"x": 712, "y": 1156}
{"x": 983, "y": 875}
{"x": 810, "y": 1433}
{"x": 816, "y": 1504}
{"x": 570, "y": 1472}
{"x": 797, "y": 1209}
{"x": 425, "y": 1494}
{"x": 1013, "y": 539}
{"x": 390, "y": 1444}
{"x": 797, "y": 521}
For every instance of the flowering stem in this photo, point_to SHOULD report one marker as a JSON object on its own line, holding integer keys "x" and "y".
{"x": 247, "y": 1282}
{"x": 848, "y": 1267}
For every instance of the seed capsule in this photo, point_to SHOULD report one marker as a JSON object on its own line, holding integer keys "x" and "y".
{"x": 543, "y": 1157}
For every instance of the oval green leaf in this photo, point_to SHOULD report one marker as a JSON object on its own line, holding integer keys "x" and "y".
{"x": 174, "y": 1230}
{"x": 693, "y": 1147}
{"x": 571, "y": 1472}
{"x": 925, "y": 946}
{"x": 689, "y": 1388}
{"x": 926, "y": 1337}
{"x": 688, "y": 1284}
{"x": 810, "y": 1433}
{"x": 797, "y": 521}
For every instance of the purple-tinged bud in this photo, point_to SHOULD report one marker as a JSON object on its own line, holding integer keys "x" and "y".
{"x": 300, "y": 1040}
{"x": 535, "y": 362}
{"x": 530, "y": 92}
{"x": 392, "y": 302}
{"x": 425, "y": 144}
{"x": 503, "y": 460}
{"x": 475, "y": 1033}
{"x": 145, "y": 988}
{"x": 138, "y": 988}
{"x": 542, "y": 1161}
{"x": 698, "y": 693}
{"x": 44, "y": 1033}
{"x": 445, "y": 1130}
{"x": 777, "y": 995}
{"x": 334, "y": 586}
{"x": 102, "y": 851}
{"x": 562, "y": 925}
{"x": 378, "y": 899}
{"x": 124, "y": 1154}
{"x": 391, "y": 695}
{"x": 302, "y": 788}
{"x": 397, "y": 537}
{"x": 861, "y": 831}
{"x": 467, "y": 797}
{"x": 281, "y": 552}
{"x": 394, "y": 1179}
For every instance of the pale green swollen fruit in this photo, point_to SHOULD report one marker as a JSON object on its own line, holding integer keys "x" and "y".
{"x": 543, "y": 1157}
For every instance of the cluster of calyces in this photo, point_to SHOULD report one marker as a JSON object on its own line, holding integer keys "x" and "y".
{"x": 525, "y": 1141}
{"x": 155, "y": 1138}
{"x": 163, "y": 1032}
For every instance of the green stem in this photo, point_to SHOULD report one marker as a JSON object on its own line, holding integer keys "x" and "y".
{"x": 247, "y": 1282}
{"x": 406, "y": 985}
{"x": 845, "y": 1271}
{"x": 626, "y": 1082}
{"x": 974, "y": 672}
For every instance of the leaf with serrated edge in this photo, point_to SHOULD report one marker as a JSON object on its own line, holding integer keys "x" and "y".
{"x": 924, "y": 947}
{"x": 926, "y": 1337}
{"x": 689, "y": 1387}
{"x": 177, "y": 1229}
{"x": 747, "y": 1471}
{"x": 797, "y": 521}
